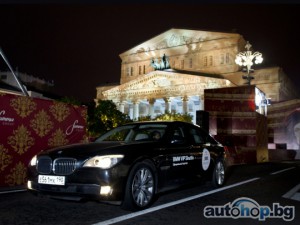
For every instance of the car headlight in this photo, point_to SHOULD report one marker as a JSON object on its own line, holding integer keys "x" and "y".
{"x": 33, "y": 161}
{"x": 103, "y": 162}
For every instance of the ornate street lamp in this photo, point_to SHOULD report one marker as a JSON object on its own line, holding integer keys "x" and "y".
{"x": 246, "y": 58}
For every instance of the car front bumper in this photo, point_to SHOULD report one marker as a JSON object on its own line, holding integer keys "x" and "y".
{"x": 87, "y": 183}
{"x": 75, "y": 191}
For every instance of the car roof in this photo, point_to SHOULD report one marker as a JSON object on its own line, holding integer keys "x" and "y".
{"x": 160, "y": 122}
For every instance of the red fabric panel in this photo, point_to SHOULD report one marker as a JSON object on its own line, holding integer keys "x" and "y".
{"x": 235, "y": 122}
{"x": 30, "y": 125}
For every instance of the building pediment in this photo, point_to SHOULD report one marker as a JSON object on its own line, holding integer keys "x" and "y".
{"x": 164, "y": 84}
{"x": 177, "y": 37}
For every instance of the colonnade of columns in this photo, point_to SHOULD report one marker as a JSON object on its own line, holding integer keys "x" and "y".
{"x": 155, "y": 106}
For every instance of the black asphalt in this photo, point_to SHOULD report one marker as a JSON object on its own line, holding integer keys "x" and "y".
{"x": 22, "y": 208}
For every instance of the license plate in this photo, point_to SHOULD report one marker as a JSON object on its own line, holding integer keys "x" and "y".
{"x": 54, "y": 180}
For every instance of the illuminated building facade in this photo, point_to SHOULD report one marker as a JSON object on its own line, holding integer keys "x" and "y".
{"x": 170, "y": 72}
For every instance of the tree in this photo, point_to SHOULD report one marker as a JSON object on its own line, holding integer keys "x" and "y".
{"x": 174, "y": 117}
{"x": 168, "y": 116}
{"x": 104, "y": 117}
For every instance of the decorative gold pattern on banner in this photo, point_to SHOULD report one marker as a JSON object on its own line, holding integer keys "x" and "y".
{"x": 17, "y": 175}
{"x": 21, "y": 140}
{"x": 41, "y": 123}
{"x": 58, "y": 139}
{"x": 2, "y": 94}
{"x": 34, "y": 127}
{"x": 23, "y": 106}
{"x": 60, "y": 111}
{"x": 5, "y": 158}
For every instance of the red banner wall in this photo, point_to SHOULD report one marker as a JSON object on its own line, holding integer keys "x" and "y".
{"x": 29, "y": 125}
{"x": 234, "y": 121}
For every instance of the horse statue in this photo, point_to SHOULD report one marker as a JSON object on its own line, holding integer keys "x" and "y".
{"x": 162, "y": 65}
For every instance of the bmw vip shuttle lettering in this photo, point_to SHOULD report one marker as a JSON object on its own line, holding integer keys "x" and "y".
{"x": 182, "y": 160}
{"x": 249, "y": 208}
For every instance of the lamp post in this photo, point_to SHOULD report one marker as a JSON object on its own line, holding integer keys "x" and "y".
{"x": 246, "y": 59}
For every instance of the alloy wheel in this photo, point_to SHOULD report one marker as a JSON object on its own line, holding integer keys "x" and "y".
{"x": 220, "y": 173}
{"x": 142, "y": 187}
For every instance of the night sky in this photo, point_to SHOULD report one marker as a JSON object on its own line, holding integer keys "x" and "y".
{"x": 78, "y": 45}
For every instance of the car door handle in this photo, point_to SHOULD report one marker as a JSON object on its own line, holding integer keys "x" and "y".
{"x": 207, "y": 144}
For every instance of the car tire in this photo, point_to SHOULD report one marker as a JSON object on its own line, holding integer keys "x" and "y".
{"x": 218, "y": 175}
{"x": 140, "y": 187}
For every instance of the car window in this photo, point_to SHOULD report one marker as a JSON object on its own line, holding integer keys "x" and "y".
{"x": 200, "y": 137}
{"x": 116, "y": 134}
{"x": 178, "y": 132}
{"x": 152, "y": 132}
{"x": 197, "y": 136}
{"x": 178, "y": 135}
{"x": 144, "y": 132}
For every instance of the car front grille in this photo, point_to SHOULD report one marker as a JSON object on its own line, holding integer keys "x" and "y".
{"x": 64, "y": 166}
{"x": 60, "y": 166}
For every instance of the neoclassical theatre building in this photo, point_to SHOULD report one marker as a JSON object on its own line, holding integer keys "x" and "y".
{"x": 170, "y": 72}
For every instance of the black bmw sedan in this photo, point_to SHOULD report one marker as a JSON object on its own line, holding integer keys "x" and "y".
{"x": 130, "y": 164}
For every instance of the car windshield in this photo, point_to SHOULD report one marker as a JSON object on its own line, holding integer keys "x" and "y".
{"x": 136, "y": 132}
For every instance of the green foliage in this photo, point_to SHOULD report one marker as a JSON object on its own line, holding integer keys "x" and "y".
{"x": 169, "y": 117}
{"x": 104, "y": 117}
{"x": 144, "y": 118}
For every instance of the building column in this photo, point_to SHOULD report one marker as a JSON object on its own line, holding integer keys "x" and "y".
{"x": 122, "y": 107}
{"x": 201, "y": 100}
{"x": 151, "y": 106}
{"x": 136, "y": 109}
{"x": 168, "y": 104}
{"x": 197, "y": 107}
{"x": 162, "y": 106}
{"x": 130, "y": 111}
{"x": 185, "y": 104}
